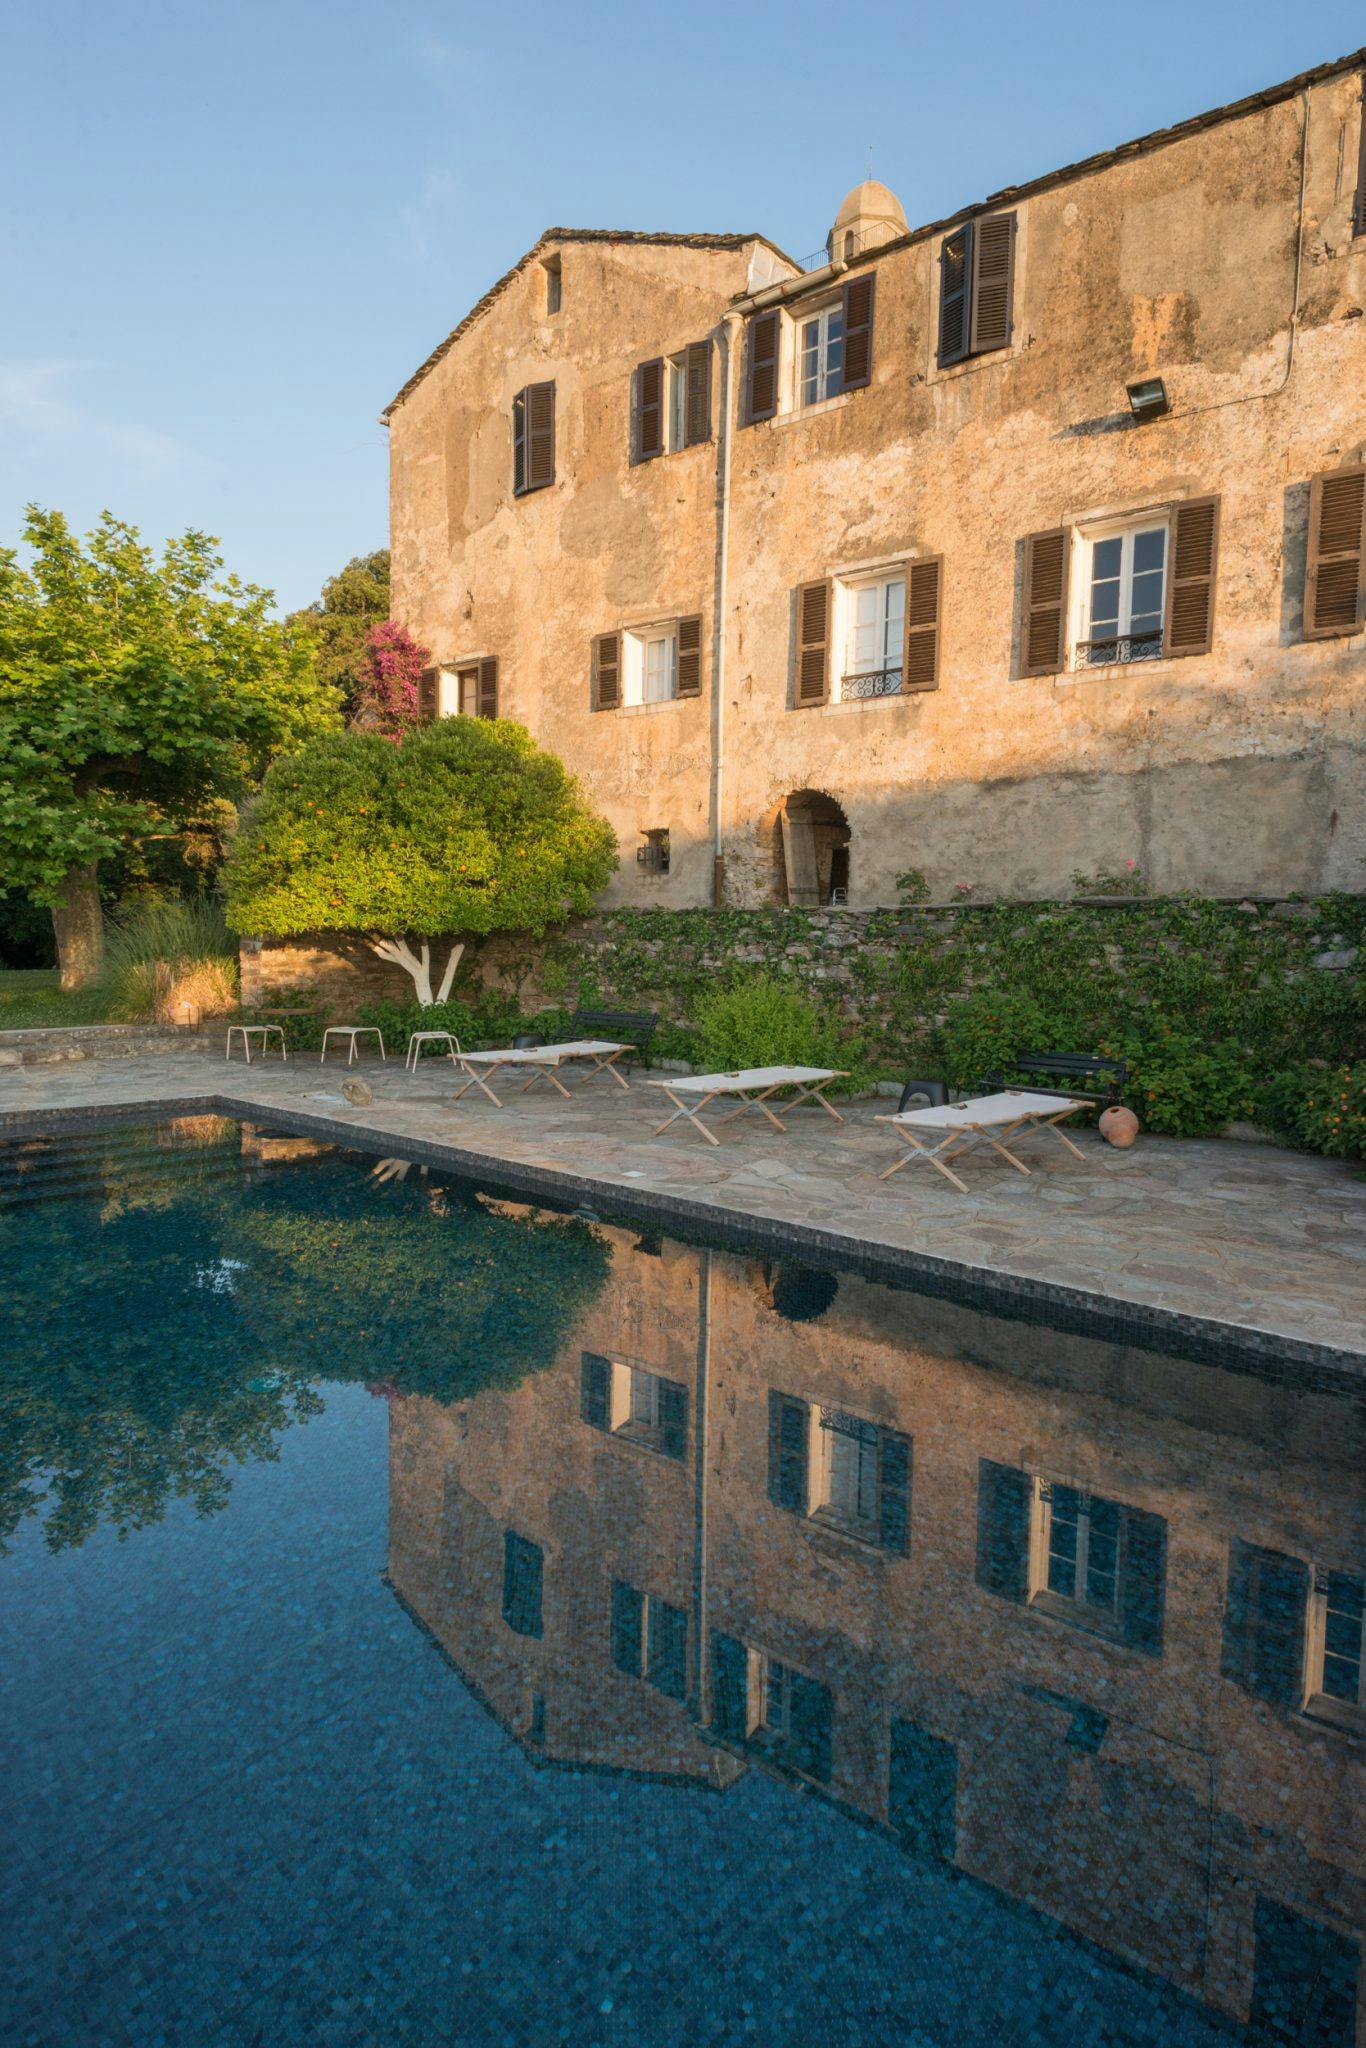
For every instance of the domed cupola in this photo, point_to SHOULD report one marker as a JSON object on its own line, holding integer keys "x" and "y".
{"x": 869, "y": 216}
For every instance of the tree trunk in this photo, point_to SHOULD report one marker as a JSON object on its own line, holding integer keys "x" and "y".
{"x": 78, "y": 921}
{"x": 419, "y": 966}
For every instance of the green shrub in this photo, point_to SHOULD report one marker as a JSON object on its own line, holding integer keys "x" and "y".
{"x": 767, "y": 1022}
{"x": 165, "y": 950}
{"x": 490, "y": 1017}
{"x": 985, "y": 1032}
{"x": 1184, "y": 1088}
{"x": 1321, "y": 1108}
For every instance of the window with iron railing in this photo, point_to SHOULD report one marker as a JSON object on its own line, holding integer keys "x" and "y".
{"x": 1125, "y": 593}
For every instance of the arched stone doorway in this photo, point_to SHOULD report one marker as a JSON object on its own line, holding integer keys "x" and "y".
{"x": 811, "y": 850}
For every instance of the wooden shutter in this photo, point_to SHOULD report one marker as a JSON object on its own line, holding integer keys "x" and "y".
{"x": 993, "y": 283}
{"x": 787, "y": 1435}
{"x": 595, "y": 1381}
{"x": 666, "y": 1663}
{"x": 955, "y": 294}
{"x": 761, "y": 371}
{"x": 628, "y": 1624}
{"x": 1044, "y": 635}
{"x": 1194, "y": 549}
{"x": 606, "y": 672}
{"x": 540, "y": 436}
{"x": 673, "y": 1419}
{"x": 858, "y": 330}
{"x": 426, "y": 693}
{"x": 894, "y": 1490}
{"x": 689, "y": 681}
{"x": 519, "y": 444}
{"x": 1264, "y": 1623}
{"x": 922, "y": 1789}
{"x": 488, "y": 687}
{"x": 1004, "y": 1497}
{"x": 813, "y": 642}
{"x": 810, "y": 1721}
{"x": 1335, "y": 578}
{"x": 697, "y": 407}
{"x": 729, "y": 1686}
{"x": 920, "y": 652}
{"x": 1145, "y": 1577}
{"x": 523, "y": 1571}
{"x": 649, "y": 411}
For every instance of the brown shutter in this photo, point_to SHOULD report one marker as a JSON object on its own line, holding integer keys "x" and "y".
{"x": 920, "y": 660}
{"x": 813, "y": 642}
{"x": 426, "y": 693}
{"x": 606, "y": 672}
{"x": 519, "y": 444}
{"x": 858, "y": 330}
{"x": 761, "y": 383}
{"x": 540, "y": 436}
{"x": 1194, "y": 549}
{"x": 697, "y": 419}
{"x": 993, "y": 283}
{"x": 1335, "y": 576}
{"x": 689, "y": 683}
{"x": 649, "y": 410}
{"x": 1044, "y": 649}
{"x": 955, "y": 293}
{"x": 488, "y": 687}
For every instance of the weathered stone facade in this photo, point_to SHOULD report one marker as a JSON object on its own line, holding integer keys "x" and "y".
{"x": 1224, "y": 257}
{"x": 1134, "y": 1785}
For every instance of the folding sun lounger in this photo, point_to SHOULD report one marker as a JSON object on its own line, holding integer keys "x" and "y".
{"x": 752, "y": 1086}
{"x": 990, "y": 1120}
{"x": 543, "y": 1061}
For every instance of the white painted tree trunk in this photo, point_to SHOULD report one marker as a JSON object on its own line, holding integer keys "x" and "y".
{"x": 419, "y": 966}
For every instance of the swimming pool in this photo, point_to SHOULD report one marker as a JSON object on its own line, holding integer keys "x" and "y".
{"x": 426, "y": 1618}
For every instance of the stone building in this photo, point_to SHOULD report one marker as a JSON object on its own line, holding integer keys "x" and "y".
{"x": 1070, "y": 1623}
{"x": 1019, "y": 544}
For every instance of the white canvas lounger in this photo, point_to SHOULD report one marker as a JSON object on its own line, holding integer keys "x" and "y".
{"x": 604, "y": 1053}
{"x": 989, "y": 1120}
{"x": 542, "y": 1059}
{"x": 752, "y": 1086}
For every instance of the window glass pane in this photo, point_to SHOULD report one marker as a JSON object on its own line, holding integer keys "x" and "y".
{"x": 644, "y": 1398}
{"x": 894, "y": 623}
{"x": 1102, "y": 1554}
{"x": 659, "y": 670}
{"x": 1064, "y": 1519}
{"x": 1106, "y": 557}
{"x": 1150, "y": 549}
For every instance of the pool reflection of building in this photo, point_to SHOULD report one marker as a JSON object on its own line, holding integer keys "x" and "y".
{"x": 1082, "y": 1622}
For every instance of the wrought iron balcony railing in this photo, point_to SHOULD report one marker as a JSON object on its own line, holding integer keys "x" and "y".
{"x": 872, "y": 682}
{"x": 1116, "y": 649}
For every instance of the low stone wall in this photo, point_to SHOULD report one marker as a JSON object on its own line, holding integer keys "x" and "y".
{"x": 54, "y": 1045}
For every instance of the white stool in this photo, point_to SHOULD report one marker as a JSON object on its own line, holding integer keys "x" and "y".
{"x": 351, "y": 1032}
{"x": 421, "y": 1038}
{"x": 264, "y": 1030}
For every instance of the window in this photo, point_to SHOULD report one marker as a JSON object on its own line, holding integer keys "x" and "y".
{"x": 523, "y": 1574}
{"x": 671, "y": 402}
{"x": 653, "y": 854}
{"x": 533, "y": 439}
{"x": 839, "y": 1469}
{"x": 820, "y": 355}
{"x": 875, "y": 629}
{"x": 1337, "y": 1666}
{"x": 644, "y": 665}
{"x": 554, "y": 284}
{"x": 1125, "y": 596}
{"x": 650, "y": 1639}
{"x": 1072, "y": 1555}
{"x": 630, "y": 1401}
{"x": 977, "y": 288}
{"x": 472, "y": 690}
{"x": 766, "y": 1703}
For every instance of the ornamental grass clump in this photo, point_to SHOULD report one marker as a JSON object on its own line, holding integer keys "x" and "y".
{"x": 165, "y": 951}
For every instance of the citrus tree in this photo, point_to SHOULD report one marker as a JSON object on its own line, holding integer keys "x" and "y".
{"x": 464, "y": 827}
{"x": 134, "y": 689}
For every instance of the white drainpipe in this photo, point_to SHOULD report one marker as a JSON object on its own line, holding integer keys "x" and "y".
{"x": 731, "y": 326}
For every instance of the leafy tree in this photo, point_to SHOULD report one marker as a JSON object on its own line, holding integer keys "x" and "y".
{"x": 190, "y": 1321}
{"x": 391, "y": 681}
{"x": 132, "y": 691}
{"x": 467, "y": 827}
{"x": 353, "y": 601}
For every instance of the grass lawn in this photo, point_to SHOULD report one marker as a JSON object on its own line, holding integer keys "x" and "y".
{"x": 29, "y": 997}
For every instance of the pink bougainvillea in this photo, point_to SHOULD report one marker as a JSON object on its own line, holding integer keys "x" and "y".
{"x": 391, "y": 676}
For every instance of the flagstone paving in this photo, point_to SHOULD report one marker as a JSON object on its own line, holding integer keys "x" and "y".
{"x": 1241, "y": 1234}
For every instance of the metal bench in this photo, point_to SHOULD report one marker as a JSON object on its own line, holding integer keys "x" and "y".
{"x": 635, "y": 1027}
{"x": 1099, "y": 1077}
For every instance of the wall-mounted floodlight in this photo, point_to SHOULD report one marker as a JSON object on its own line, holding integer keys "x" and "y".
{"x": 1148, "y": 398}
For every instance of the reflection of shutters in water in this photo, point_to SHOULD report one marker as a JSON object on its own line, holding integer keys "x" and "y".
{"x": 729, "y": 1686}
{"x": 595, "y": 1380}
{"x": 667, "y": 1650}
{"x": 673, "y": 1419}
{"x": 810, "y": 1716}
{"x": 523, "y": 1564}
{"x": 1003, "y": 1504}
{"x": 1304, "y": 1981}
{"x": 1145, "y": 1573}
{"x": 787, "y": 1452}
{"x": 628, "y": 1609}
{"x": 894, "y": 1490}
{"x": 923, "y": 1789}
{"x": 1264, "y": 1619}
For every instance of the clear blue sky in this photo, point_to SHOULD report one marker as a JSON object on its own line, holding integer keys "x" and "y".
{"x": 231, "y": 231}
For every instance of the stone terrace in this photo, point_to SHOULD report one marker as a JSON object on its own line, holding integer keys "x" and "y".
{"x": 1248, "y": 1237}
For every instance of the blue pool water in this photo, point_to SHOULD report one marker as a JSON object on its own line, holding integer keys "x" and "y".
{"x": 424, "y": 1619}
